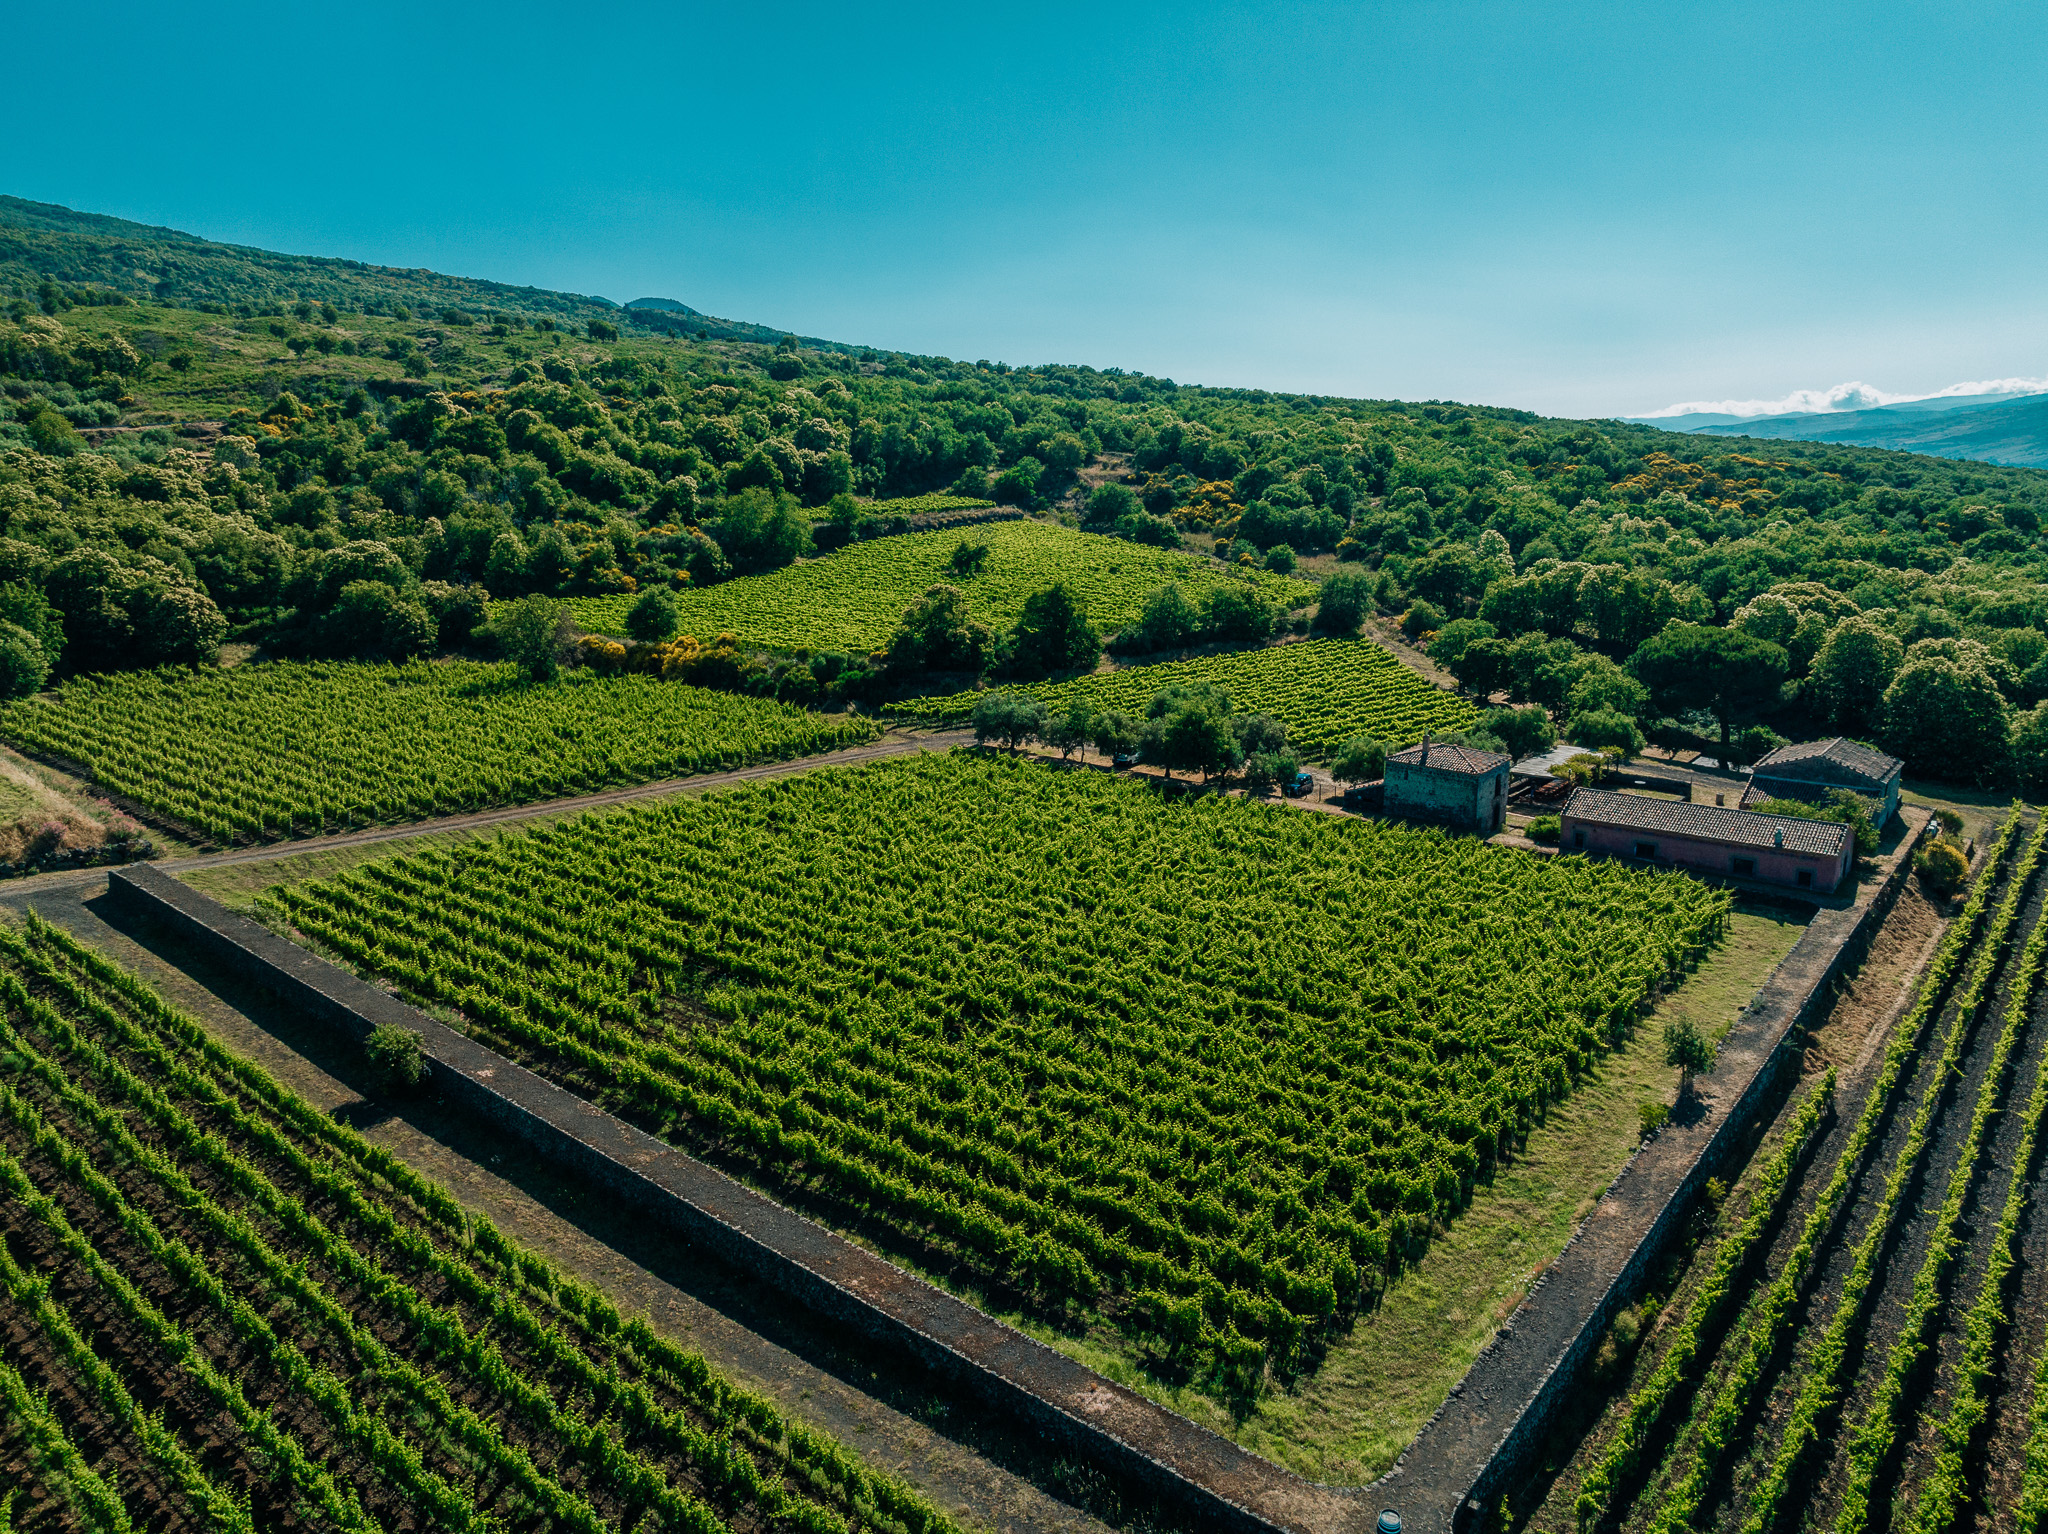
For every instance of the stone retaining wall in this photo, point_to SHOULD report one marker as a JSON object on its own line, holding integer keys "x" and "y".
{"x": 1479, "y": 1441}
{"x": 1488, "y": 1432}
{"x": 1222, "y": 1485}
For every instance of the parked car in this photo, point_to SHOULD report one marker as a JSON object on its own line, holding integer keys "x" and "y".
{"x": 1122, "y": 760}
{"x": 1298, "y": 786}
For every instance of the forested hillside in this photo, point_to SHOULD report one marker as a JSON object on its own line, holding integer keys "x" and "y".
{"x": 203, "y": 441}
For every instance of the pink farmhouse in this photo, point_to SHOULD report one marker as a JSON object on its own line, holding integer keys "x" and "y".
{"x": 1739, "y": 844}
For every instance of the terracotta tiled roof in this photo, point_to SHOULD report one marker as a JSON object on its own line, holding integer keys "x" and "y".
{"x": 1708, "y": 822}
{"x": 1445, "y": 757}
{"x": 1830, "y": 761}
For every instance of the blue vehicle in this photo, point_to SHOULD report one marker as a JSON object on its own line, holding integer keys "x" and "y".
{"x": 1122, "y": 760}
{"x": 1299, "y": 786}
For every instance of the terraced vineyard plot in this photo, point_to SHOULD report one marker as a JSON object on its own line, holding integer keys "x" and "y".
{"x": 1206, "y": 1068}
{"x": 254, "y": 1318}
{"x": 851, "y": 600}
{"x": 1324, "y": 691}
{"x": 1843, "y": 1373}
{"x": 263, "y": 752}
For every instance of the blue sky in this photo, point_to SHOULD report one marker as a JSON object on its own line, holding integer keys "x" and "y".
{"x": 1583, "y": 210}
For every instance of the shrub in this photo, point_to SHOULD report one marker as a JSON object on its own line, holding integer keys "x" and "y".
{"x": 397, "y": 1056}
{"x": 1653, "y": 1117}
{"x": 653, "y": 618}
{"x": 1422, "y": 618}
{"x": 1545, "y": 828}
{"x": 1942, "y": 867}
{"x": 1280, "y": 559}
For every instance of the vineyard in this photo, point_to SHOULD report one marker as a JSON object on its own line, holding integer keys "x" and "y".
{"x": 852, "y": 600}
{"x": 1208, "y": 1070}
{"x": 226, "y": 1310}
{"x": 1325, "y": 691}
{"x": 262, "y": 752}
{"x": 1860, "y": 1351}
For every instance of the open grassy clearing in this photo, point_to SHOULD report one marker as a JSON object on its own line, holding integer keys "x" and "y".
{"x": 260, "y": 753}
{"x": 989, "y": 1054}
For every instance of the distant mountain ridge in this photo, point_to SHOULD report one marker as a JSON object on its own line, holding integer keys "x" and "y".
{"x": 41, "y": 240}
{"x": 1992, "y": 428}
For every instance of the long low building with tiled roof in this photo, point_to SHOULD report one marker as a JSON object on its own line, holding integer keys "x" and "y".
{"x": 1741, "y": 844}
{"x": 1810, "y": 768}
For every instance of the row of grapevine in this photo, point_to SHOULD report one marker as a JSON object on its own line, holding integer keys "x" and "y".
{"x": 1691, "y": 1346}
{"x": 852, "y": 599}
{"x": 1209, "y": 1068}
{"x": 1820, "y": 1389}
{"x": 262, "y": 752}
{"x": 1325, "y": 691}
{"x": 1704, "y": 1449}
{"x": 374, "y": 1355}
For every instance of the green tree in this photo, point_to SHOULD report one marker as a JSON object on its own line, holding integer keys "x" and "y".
{"x": 761, "y": 530}
{"x": 1451, "y": 641}
{"x": 937, "y": 634}
{"x": 653, "y": 617}
{"x": 1190, "y": 731}
{"x": 23, "y": 666}
{"x": 1723, "y": 672}
{"x": 1596, "y": 729}
{"x": 1112, "y": 503}
{"x": 1010, "y": 717}
{"x": 1071, "y": 731}
{"x": 1421, "y": 618}
{"x": 370, "y": 621}
{"x": 1169, "y": 621}
{"x": 1258, "y": 734}
{"x": 969, "y": 557}
{"x": 1686, "y": 1047}
{"x": 51, "y": 435}
{"x": 458, "y": 611}
{"x": 1052, "y": 635}
{"x": 2030, "y": 752}
{"x": 1948, "y": 721}
{"x": 1281, "y": 559}
{"x": 534, "y": 633}
{"x": 1523, "y": 731}
{"x": 1598, "y": 685}
{"x": 1343, "y": 604}
{"x": 1483, "y": 667}
{"x": 1359, "y": 760}
{"x": 25, "y": 606}
{"x": 1451, "y": 577}
{"x": 1238, "y": 614}
{"x": 1624, "y": 607}
{"x": 1115, "y": 733}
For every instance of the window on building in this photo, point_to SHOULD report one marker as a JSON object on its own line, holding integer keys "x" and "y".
{"x": 1578, "y": 838}
{"x": 1646, "y": 849}
{"x": 1806, "y": 878}
{"x": 1745, "y": 866}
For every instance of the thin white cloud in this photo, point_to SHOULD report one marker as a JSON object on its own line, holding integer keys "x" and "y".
{"x": 1843, "y": 396}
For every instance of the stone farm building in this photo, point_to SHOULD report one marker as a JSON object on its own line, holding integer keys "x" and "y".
{"x": 1450, "y": 785}
{"x": 1775, "y": 849}
{"x": 1809, "y": 769}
